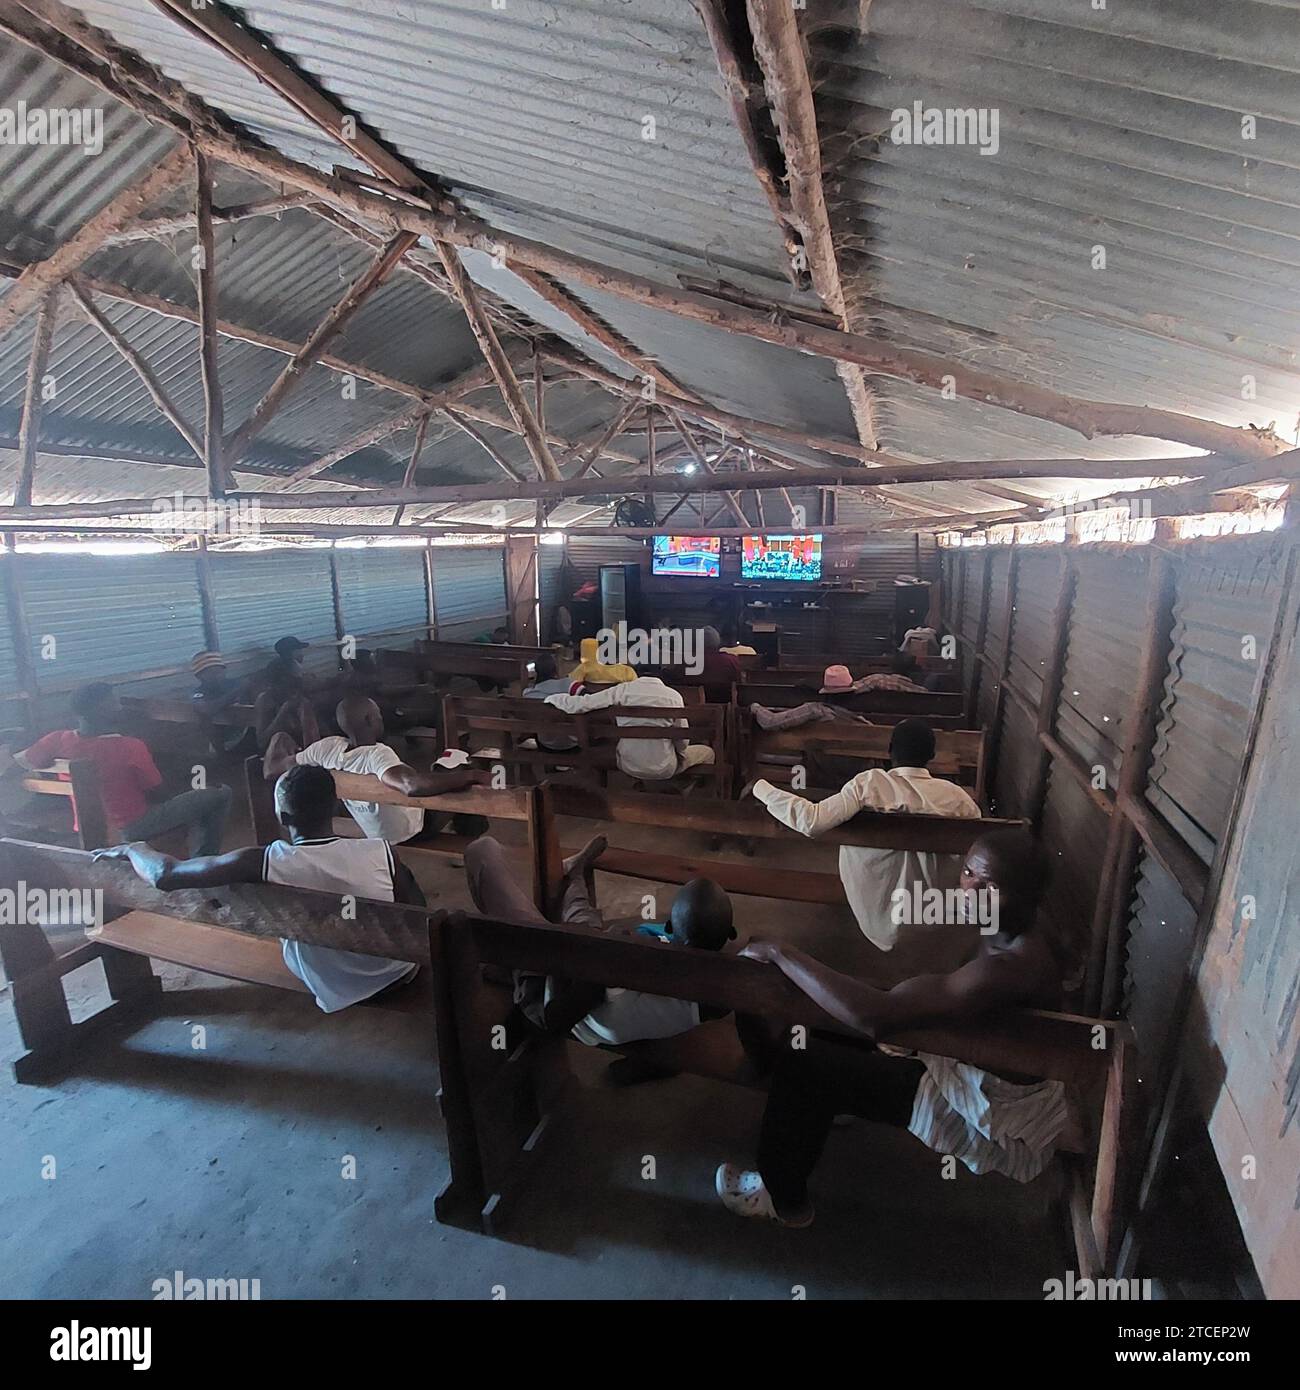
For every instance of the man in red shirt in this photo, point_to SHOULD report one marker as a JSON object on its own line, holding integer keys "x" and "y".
{"x": 130, "y": 784}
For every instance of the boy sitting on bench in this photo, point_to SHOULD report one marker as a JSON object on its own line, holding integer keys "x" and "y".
{"x": 992, "y": 1123}
{"x": 312, "y": 857}
{"x": 700, "y": 917}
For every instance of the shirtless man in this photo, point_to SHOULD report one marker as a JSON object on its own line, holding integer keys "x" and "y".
{"x": 991, "y": 1123}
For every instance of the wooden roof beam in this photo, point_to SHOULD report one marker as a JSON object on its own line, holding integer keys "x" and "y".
{"x": 128, "y": 77}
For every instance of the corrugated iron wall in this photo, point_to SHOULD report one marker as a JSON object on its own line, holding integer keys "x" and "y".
{"x": 90, "y": 617}
{"x": 550, "y": 572}
{"x": 8, "y": 658}
{"x": 1226, "y": 597}
{"x": 382, "y": 589}
{"x": 259, "y": 598}
{"x": 469, "y": 590}
{"x": 1222, "y": 618}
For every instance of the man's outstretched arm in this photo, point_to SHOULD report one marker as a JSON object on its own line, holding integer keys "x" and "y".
{"x": 979, "y": 987}
{"x": 206, "y": 871}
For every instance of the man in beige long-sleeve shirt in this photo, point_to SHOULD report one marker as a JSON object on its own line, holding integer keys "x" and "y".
{"x": 872, "y": 876}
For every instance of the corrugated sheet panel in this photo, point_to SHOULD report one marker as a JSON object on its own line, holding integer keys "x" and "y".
{"x": 1073, "y": 832}
{"x": 550, "y": 570}
{"x": 91, "y": 617}
{"x": 973, "y": 562}
{"x": 1031, "y": 624}
{"x": 994, "y": 636}
{"x": 277, "y": 593}
{"x": 1223, "y": 618}
{"x": 588, "y": 553}
{"x": 1161, "y": 931}
{"x": 469, "y": 590}
{"x": 1102, "y": 656}
{"x": 8, "y": 664}
{"x": 1017, "y": 758}
{"x": 382, "y": 588}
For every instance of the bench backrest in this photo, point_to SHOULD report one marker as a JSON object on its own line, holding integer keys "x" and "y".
{"x": 942, "y": 708}
{"x": 78, "y": 782}
{"x": 176, "y": 709}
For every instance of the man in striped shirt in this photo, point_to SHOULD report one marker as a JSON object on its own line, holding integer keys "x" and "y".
{"x": 991, "y": 1123}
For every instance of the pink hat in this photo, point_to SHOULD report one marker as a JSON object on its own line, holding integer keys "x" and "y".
{"x": 836, "y": 679}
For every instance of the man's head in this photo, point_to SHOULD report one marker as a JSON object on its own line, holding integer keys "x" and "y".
{"x": 96, "y": 708}
{"x": 290, "y": 650}
{"x": 1015, "y": 866}
{"x": 545, "y": 668}
{"x": 911, "y": 744}
{"x": 712, "y": 641}
{"x": 304, "y": 800}
{"x": 209, "y": 670}
{"x": 500, "y": 635}
{"x": 903, "y": 664}
{"x": 730, "y": 635}
{"x": 360, "y": 719}
{"x": 701, "y": 916}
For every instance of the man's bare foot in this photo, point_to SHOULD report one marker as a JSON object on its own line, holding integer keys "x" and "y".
{"x": 586, "y": 856}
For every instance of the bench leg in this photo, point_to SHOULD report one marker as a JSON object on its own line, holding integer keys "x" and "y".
{"x": 130, "y": 977}
{"x": 40, "y": 1006}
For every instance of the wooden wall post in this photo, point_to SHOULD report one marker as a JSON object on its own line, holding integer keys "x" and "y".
{"x": 981, "y": 635}
{"x": 207, "y": 605}
{"x": 1000, "y": 705}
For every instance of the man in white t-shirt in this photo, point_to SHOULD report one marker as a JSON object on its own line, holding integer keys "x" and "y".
{"x": 646, "y": 759}
{"x": 360, "y": 750}
{"x": 872, "y": 876}
{"x": 310, "y": 857}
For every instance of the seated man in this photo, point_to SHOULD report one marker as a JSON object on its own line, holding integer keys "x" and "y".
{"x": 700, "y": 917}
{"x": 645, "y": 759}
{"x": 872, "y": 877}
{"x": 548, "y": 681}
{"x": 360, "y": 749}
{"x": 719, "y": 672}
{"x": 135, "y": 804}
{"x": 216, "y": 691}
{"x": 312, "y": 857}
{"x": 993, "y": 1124}
{"x": 282, "y": 700}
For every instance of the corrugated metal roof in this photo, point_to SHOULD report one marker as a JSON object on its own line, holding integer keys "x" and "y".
{"x": 1116, "y": 127}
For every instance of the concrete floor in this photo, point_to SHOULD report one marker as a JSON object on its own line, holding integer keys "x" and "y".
{"x": 227, "y": 1162}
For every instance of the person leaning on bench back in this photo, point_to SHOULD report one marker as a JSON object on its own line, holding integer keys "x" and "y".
{"x": 643, "y": 759}
{"x": 360, "y": 749}
{"x": 992, "y": 1123}
{"x": 312, "y": 857}
{"x": 872, "y": 877}
{"x": 700, "y": 917}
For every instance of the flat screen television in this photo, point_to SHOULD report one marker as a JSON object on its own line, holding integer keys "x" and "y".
{"x": 700, "y": 556}
{"x": 781, "y": 557}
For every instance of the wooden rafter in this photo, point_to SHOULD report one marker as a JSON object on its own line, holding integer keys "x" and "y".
{"x": 779, "y": 50}
{"x": 31, "y": 285}
{"x": 29, "y": 431}
{"x": 147, "y": 228}
{"x": 141, "y": 368}
{"x": 329, "y": 327}
{"x": 128, "y": 77}
{"x": 213, "y": 409}
{"x": 597, "y": 446}
{"x": 484, "y": 443}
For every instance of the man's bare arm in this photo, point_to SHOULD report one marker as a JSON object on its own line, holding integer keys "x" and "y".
{"x": 207, "y": 871}
{"x": 979, "y": 987}
{"x": 402, "y": 778}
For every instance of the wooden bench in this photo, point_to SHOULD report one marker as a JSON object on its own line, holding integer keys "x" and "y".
{"x": 809, "y": 671}
{"x": 485, "y": 660}
{"x": 78, "y": 783}
{"x": 699, "y": 818}
{"x": 233, "y": 932}
{"x": 498, "y": 1103}
{"x": 504, "y": 724}
{"x": 959, "y": 753}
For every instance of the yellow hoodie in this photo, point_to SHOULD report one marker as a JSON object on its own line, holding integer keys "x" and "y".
{"x": 591, "y": 669}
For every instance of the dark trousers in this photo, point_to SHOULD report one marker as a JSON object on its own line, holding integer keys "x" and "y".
{"x": 809, "y": 1087}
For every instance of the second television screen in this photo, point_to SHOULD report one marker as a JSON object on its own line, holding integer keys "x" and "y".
{"x": 781, "y": 557}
